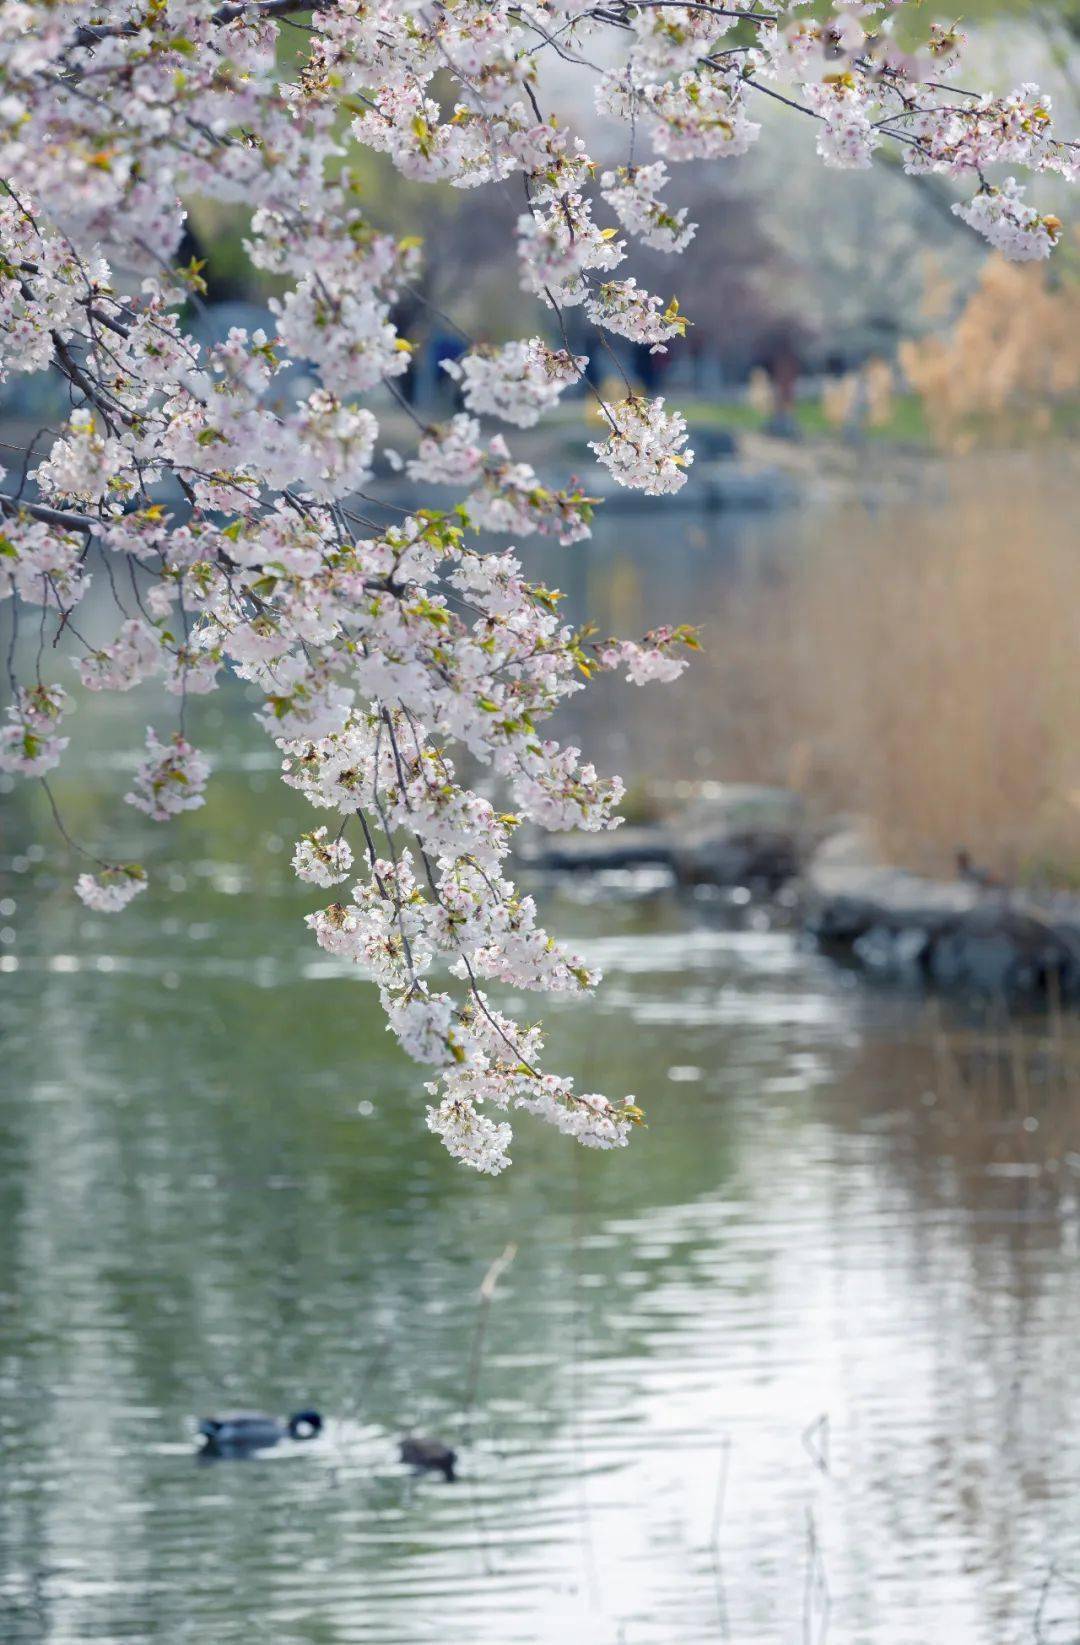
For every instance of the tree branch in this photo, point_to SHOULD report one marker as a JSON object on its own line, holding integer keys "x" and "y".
{"x": 14, "y": 506}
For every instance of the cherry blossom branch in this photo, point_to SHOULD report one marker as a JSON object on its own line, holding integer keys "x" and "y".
{"x": 237, "y": 518}
{"x": 65, "y": 518}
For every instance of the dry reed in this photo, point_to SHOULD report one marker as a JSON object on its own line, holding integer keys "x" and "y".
{"x": 920, "y": 668}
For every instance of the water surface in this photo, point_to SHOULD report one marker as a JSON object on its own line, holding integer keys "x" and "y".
{"x": 801, "y": 1364}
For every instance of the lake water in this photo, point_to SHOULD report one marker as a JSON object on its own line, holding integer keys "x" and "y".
{"x": 801, "y": 1364}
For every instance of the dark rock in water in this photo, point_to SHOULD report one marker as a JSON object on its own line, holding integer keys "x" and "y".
{"x": 762, "y": 860}
{"x": 871, "y": 929}
{"x": 898, "y": 950}
{"x": 733, "y": 834}
{"x": 711, "y": 442}
{"x": 612, "y": 848}
{"x": 740, "y": 834}
{"x": 953, "y": 935}
{"x": 1000, "y": 950}
{"x": 839, "y": 922}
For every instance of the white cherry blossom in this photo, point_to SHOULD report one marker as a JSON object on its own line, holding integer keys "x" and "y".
{"x": 517, "y": 382}
{"x": 645, "y": 448}
{"x": 171, "y": 778}
{"x": 320, "y": 860}
{"x": 112, "y": 889}
{"x": 405, "y": 674}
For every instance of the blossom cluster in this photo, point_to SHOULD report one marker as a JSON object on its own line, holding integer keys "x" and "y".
{"x": 321, "y": 861}
{"x": 29, "y": 745}
{"x": 232, "y": 521}
{"x": 112, "y": 889}
{"x": 170, "y": 779}
{"x": 632, "y": 192}
{"x": 508, "y": 496}
{"x": 1010, "y": 224}
{"x": 517, "y": 382}
{"x": 645, "y": 446}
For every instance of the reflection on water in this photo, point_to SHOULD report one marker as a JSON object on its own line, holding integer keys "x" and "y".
{"x": 800, "y": 1344}
{"x": 799, "y": 1365}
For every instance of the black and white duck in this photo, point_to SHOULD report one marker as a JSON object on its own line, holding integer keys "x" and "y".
{"x": 242, "y": 1432}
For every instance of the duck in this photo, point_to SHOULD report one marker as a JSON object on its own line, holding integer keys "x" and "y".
{"x": 241, "y": 1432}
{"x": 972, "y": 874}
{"x": 429, "y": 1455}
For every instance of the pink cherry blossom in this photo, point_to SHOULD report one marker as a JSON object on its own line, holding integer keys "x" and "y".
{"x": 405, "y": 674}
{"x": 112, "y": 889}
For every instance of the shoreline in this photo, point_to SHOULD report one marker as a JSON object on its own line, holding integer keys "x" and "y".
{"x": 952, "y": 936}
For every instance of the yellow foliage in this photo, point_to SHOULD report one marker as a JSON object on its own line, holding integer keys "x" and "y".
{"x": 759, "y": 391}
{"x": 838, "y": 397}
{"x": 863, "y": 397}
{"x": 1011, "y": 358}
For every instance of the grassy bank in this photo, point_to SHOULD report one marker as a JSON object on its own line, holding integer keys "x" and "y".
{"x": 905, "y": 424}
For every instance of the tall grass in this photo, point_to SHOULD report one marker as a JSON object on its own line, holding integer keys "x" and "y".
{"x": 921, "y": 667}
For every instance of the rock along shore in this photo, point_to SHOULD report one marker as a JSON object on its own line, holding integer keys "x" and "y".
{"x": 948, "y": 935}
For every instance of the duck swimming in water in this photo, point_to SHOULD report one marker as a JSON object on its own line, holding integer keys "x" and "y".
{"x": 245, "y": 1431}
{"x": 429, "y": 1455}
